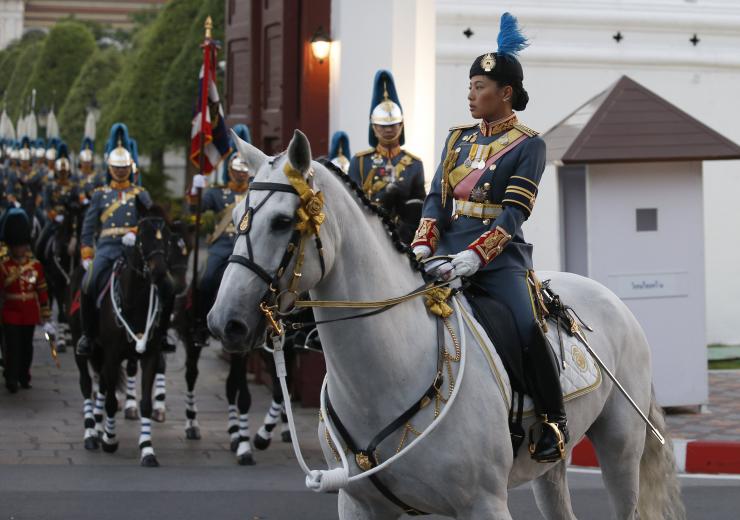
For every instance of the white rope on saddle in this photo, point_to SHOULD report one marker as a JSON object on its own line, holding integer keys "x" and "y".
{"x": 337, "y": 478}
{"x": 151, "y": 314}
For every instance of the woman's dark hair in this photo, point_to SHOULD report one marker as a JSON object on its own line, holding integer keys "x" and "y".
{"x": 519, "y": 96}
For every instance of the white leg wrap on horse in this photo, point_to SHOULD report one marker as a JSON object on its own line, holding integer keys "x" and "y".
{"x": 244, "y": 447}
{"x": 191, "y": 423}
{"x": 190, "y": 405}
{"x": 271, "y": 418}
{"x": 90, "y": 432}
{"x": 109, "y": 433}
{"x": 159, "y": 391}
{"x": 244, "y": 426}
{"x": 147, "y": 450}
{"x": 145, "y": 433}
{"x": 99, "y": 404}
{"x": 233, "y": 422}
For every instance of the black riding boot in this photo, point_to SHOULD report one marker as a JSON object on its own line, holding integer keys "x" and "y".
{"x": 88, "y": 320}
{"x": 544, "y": 382}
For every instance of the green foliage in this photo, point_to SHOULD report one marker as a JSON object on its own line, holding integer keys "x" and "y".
{"x": 180, "y": 87}
{"x": 155, "y": 47}
{"x": 65, "y": 49}
{"x": 20, "y": 78}
{"x": 96, "y": 74}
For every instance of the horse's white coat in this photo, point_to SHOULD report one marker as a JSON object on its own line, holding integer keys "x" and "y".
{"x": 378, "y": 366}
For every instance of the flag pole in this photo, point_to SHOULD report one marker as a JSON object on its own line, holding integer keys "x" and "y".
{"x": 201, "y": 167}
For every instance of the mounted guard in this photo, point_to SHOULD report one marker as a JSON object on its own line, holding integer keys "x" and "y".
{"x": 339, "y": 151}
{"x": 390, "y": 176}
{"x": 112, "y": 217}
{"x": 221, "y": 200}
{"x": 483, "y": 191}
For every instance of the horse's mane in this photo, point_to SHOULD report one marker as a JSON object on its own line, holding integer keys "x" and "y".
{"x": 379, "y": 212}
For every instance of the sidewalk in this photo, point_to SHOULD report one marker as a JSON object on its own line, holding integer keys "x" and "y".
{"x": 703, "y": 442}
{"x": 44, "y": 425}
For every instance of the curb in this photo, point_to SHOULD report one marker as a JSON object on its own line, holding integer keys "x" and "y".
{"x": 708, "y": 457}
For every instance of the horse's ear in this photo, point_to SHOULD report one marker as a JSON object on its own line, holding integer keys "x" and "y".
{"x": 299, "y": 152}
{"x": 249, "y": 154}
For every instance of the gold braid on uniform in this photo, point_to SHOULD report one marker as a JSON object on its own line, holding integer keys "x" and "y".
{"x": 427, "y": 234}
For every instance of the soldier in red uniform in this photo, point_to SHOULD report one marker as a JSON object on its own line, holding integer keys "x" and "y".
{"x": 24, "y": 299}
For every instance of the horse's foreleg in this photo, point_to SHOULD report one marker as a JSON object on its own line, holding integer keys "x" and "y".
{"x": 130, "y": 409}
{"x": 192, "y": 355}
{"x": 552, "y": 494}
{"x": 244, "y": 402}
{"x": 85, "y": 381}
{"x": 232, "y": 388}
{"x": 160, "y": 390}
{"x": 98, "y": 412}
{"x": 146, "y": 449}
{"x": 110, "y": 442}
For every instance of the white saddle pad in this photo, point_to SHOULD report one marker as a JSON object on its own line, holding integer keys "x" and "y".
{"x": 581, "y": 375}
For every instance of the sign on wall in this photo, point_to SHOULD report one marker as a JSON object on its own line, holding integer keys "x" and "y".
{"x": 649, "y": 285}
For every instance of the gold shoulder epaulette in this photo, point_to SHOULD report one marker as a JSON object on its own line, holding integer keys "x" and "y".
{"x": 463, "y": 127}
{"x": 409, "y": 154}
{"x": 365, "y": 152}
{"x": 526, "y": 130}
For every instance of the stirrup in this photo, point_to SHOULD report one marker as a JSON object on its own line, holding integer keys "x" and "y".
{"x": 560, "y": 444}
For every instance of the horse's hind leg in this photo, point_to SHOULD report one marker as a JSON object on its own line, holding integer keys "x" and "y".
{"x": 130, "y": 409}
{"x": 146, "y": 449}
{"x": 618, "y": 436}
{"x": 352, "y": 509}
{"x": 263, "y": 437}
{"x": 160, "y": 390}
{"x": 192, "y": 355}
{"x": 552, "y": 494}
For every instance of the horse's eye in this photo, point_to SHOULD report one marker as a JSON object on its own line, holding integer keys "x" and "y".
{"x": 281, "y": 223}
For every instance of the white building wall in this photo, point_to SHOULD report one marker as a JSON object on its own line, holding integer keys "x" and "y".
{"x": 11, "y": 21}
{"x": 397, "y": 35}
{"x": 573, "y": 57}
{"x": 672, "y": 316}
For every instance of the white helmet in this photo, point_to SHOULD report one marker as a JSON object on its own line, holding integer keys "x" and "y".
{"x": 62, "y": 164}
{"x": 238, "y": 165}
{"x": 86, "y": 155}
{"x": 386, "y": 113}
{"x": 24, "y": 154}
{"x": 51, "y": 154}
{"x": 39, "y": 153}
{"x": 119, "y": 157}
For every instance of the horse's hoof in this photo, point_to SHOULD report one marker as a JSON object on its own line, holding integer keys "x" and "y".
{"x": 91, "y": 443}
{"x": 132, "y": 414}
{"x": 245, "y": 460}
{"x": 261, "y": 443}
{"x": 192, "y": 433}
{"x": 110, "y": 448}
{"x": 234, "y": 444}
{"x": 149, "y": 461}
{"x": 158, "y": 415}
{"x": 285, "y": 436}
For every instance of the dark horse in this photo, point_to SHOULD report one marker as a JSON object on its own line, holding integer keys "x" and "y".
{"x": 128, "y": 317}
{"x": 60, "y": 256}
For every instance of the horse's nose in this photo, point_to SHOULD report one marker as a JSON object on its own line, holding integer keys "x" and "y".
{"x": 235, "y": 329}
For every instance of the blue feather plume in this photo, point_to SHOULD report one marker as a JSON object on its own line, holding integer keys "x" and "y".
{"x": 510, "y": 40}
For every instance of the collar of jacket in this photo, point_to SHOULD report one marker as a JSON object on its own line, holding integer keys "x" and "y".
{"x": 496, "y": 127}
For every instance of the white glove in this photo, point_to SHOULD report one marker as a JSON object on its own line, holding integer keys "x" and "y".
{"x": 199, "y": 181}
{"x": 422, "y": 252}
{"x": 129, "y": 239}
{"x": 59, "y": 219}
{"x": 17, "y": 204}
{"x": 85, "y": 201}
{"x": 50, "y": 329}
{"x": 86, "y": 263}
{"x": 466, "y": 263}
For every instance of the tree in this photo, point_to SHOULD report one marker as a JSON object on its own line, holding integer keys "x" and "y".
{"x": 65, "y": 50}
{"x": 20, "y": 78}
{"x": 180, "y": 87}
{"x": 96, "y": 74}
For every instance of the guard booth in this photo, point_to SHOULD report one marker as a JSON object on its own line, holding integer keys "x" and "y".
{"x": 631, "y": 217}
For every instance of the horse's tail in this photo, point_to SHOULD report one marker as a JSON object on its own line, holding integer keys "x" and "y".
{"x": 660, "y": 491}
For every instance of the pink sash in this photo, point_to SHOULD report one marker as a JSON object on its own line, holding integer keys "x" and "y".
{"x": 465, "y": 186}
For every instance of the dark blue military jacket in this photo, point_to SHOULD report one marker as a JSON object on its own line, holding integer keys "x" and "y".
{"x": 373, "y": 170}
{"x": 59, "y": 195}
{"x": 221, "y": 200}
{"x": 113, "y": 213}
{"x": 507, "y": 187}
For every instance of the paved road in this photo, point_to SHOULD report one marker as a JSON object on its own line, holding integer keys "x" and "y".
{"x": 46, "y": 474}
{"x": 262, "y": 492}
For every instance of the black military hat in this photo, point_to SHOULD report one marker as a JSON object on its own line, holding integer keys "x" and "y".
{"x": 503, "y": 64}
{"x": 15, "y": 229}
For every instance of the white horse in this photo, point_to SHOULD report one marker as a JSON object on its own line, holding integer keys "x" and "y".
{"x": 378, "y": 365}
